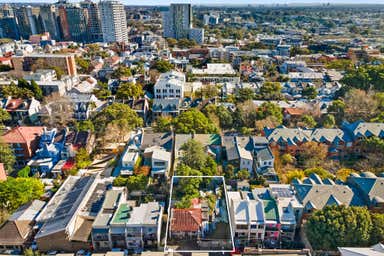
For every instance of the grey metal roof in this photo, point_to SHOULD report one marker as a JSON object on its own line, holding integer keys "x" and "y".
{"x": 166, "y": 105}
{"x": 28, "y": 211}
{"x": 260, "y": 140}
{"x": 64, "y": 204}
{"x": 369, "y": 186}
{"x": 229, "y": 144}
{"x": 319, "y": 195}
{"x": 110, "y": 204}
{"x": 111, "y": 198}
{"x": 264, "y": 154}
{"x": 156, "y": 139}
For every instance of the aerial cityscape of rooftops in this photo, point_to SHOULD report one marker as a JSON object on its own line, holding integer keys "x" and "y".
{"x": 191, "y": 129}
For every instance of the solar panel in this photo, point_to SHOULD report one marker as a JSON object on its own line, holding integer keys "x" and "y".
{"x": 61, "y": 209}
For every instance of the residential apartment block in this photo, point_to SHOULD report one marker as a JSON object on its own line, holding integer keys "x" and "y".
{"x": 26, "y": 63}
{"x": 122, "y": 225}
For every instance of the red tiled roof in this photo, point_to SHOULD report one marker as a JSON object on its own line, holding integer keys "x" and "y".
{"x": 5, "y": 59}
{"x": 14, "y": 104}
{"x": 3, "y": 174}
{"x": 22, "y": 134}
{"x": 186, "y": 220}
{"x": 294, "y": 111}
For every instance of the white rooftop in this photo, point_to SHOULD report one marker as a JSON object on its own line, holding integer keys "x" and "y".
{"x": 215, "y": 69}
{"x": 376, "y": 250}
{"x": 146, "y": 214}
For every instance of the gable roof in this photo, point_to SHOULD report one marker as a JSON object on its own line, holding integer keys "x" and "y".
{"x": 229, "y": 144}
{"x": 295, "y": 135}
{"x": 264, "y": 154}
{"x": 365, "y": 129}
{"x": 22, "y": 134}
{"x": 186, "y": 220}
{"x": 320, "y": 195}
{"x": 16, "y": 230}
{"x": 368, "y": 184}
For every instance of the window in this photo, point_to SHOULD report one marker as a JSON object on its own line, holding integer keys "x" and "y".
{"x": 158, "y": 163}
{"x": 164, "y": 90}
{"x": 242, "y": 226}
{"x": 254, "y": 226}
{"x": 177, "y": 90}
{"x": 171, "y": 90}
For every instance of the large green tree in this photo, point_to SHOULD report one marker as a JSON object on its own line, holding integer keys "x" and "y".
{"x": 336, "y": 226}
{"x": 308, "y": 121}
{"x": 365, "y": 78}
{"x": 163, "y": 66}
{"x": 309, "y": 92}
{"x": 15, "y": 91}
{"x": 121, "y": 71}
{"x": 271, "y": 90}
{"x": 337, "y": 109}
{"x": 193, "y": 121}
{"x": 117, "y": 113}
{"x": 377, "y": 232}
{"x": 4, "y": 116}
{"x": 269, "y": 109}
{"x": 129, "y": 91}
{"x": 82, "y": 158}
{"x": 244, "y": 94}
{"x": 6, "y": 156}
{"x": 15, "y": 192}
{"x": 193, "y": 154}
{"x": 137, "y": 182}
{"x": 194, "y": 159}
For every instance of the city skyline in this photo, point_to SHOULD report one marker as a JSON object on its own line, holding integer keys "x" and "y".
{"x": 219, "y": 2}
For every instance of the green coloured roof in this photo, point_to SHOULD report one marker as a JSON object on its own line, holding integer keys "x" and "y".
{"x": 122, "y": 214}
{"x": 270, "y": 210}
{"x": 214, "y": 139}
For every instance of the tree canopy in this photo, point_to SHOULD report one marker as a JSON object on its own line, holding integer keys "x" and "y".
{"x": 269, "y": 109}
{"x": 82, "y": 158}
{"x": 271, "y": 90}
{"x": 163, "y": 66}
{"x": 15, "y": 192}
{"x": 121, "y": 71}
{"x": 336, "y": 226}
{"x": 129, "y": 91}
{"x": 133, "y": 182}
{"x": 311, "y": 154}
{"x": 195, "y": 161}
{"x": 7, "y": 157}
{"x": 365, "y": 77}
{"x": 117, "y": 113}
{"x": 193, "y": 121}
{"x": 4, "y": 116}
